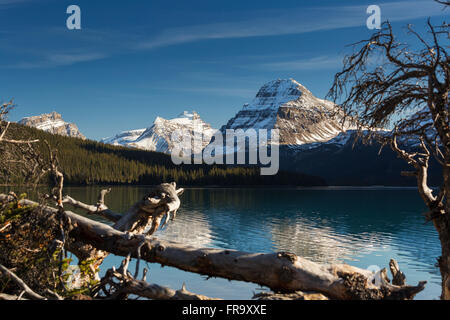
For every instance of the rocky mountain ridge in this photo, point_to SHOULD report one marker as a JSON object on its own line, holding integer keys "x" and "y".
{"x": 158, "y": 137}
{"x": 53, "y": 123}
{"x": 288, "y": 106}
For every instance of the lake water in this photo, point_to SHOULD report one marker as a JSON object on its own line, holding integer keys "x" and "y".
{"x": 364, "y": 227}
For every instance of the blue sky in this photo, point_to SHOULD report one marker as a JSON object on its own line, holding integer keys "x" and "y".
{"x": 135, "y": 60}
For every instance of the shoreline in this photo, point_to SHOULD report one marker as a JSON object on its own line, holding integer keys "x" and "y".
{"x": 344, "y": 187}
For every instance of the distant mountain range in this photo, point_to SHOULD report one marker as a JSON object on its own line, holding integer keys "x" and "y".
{"x": 301, "y": 118}
{"x": 314, "y": 139}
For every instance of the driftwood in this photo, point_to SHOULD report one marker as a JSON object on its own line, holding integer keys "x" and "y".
{"x": 99, "y": 209}
{"x": 298, "y": 295}
{"x": 398, "y": 277}
{"x": 282, "y": 272}
{"x": 121, "y": 283}
{"x": 144, "y": 217}
{"x": 8, "y": 297}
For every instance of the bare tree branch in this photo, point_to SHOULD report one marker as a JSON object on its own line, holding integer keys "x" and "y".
{"x": 30, "y": 293}
{"x": 385, "y": 83}
{"x": 99, "y": 209}
{"x": 122, "y": 284}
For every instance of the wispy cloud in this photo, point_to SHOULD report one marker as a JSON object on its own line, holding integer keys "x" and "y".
{"x": 57, "y": 46}
{"x": 56, "y": 60}
{"x": 216, "y": 91}
{"x": 5, "y": 4}
{"x": 96, "y": 43}
{"x": 314, "y": 63}
{"x": 292, "y": 22}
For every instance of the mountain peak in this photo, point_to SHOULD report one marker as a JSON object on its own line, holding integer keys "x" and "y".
{"x": 192, "y": 115}
{"x": 282, "y": 88}
{"x": 158, "y": 136}
{"x": 288, "y": 106}
{"x": 280, "y": 92}
{"x": 50, "y": 116}
{"x": 53, "y": 115}
{"x": 53, "y": 123}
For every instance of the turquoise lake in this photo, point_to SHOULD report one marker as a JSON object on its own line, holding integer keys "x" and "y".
{"x": 364, "y": 227}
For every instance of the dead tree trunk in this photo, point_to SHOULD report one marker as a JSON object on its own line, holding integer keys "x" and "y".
{"x": 282, "y": 272}
{"x": 442, "y": 224}
{"x": 410, "y": 93}
{"x": 438, "y": 205}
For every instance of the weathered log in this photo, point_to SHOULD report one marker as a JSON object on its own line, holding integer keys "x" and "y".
{"x": 124, "y": 284}
{"x": 144, "y": 216}
{"x": 157, "y": 292}
{"x": 148, "y": 212}
{"x": 9, "y": 297}
{"x": 398, "y": 277}
{"x": 282, "y": 272}
{"x": 298, "y": 295}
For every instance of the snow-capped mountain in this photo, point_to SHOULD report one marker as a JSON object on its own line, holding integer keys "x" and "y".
{"x": 288, "y": 106}
{"x": 123, "y": 138}
{"x": 158, "y": 137}
{"x": 53, "y": 123}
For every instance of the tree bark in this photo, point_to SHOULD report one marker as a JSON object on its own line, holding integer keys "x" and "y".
{"x": 298, "y": 295}
{"x": 444, "y": 260}
{"x": 439, "y": 206}
{"x": 442, "y": 224}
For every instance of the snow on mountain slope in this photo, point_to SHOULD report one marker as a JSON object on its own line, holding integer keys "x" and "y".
{"x": 124, "y": 137}
{"x": 53, "y": 123}
{"x": 290, "y": 107}
{"x": 158, "y": 137}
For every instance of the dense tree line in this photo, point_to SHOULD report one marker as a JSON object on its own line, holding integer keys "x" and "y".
{"x": 87, "y": 162}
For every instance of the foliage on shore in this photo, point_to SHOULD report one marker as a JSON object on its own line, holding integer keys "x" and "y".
{"x": 29, "y": 247}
